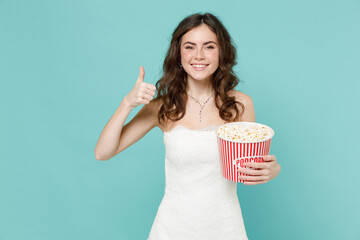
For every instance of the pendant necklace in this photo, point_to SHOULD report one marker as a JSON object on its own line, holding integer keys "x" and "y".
{"x": 201, "y": 105}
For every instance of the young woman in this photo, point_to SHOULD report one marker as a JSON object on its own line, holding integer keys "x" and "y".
{"x": 195, "y": 95}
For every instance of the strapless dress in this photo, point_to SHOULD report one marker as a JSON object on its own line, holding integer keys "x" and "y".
{"x": 198, "y": 202}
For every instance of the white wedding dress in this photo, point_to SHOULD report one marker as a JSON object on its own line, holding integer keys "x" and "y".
{"x": 199, "y": 203}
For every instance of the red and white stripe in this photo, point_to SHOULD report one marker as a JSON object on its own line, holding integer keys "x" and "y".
{"x": 234, "y": 155}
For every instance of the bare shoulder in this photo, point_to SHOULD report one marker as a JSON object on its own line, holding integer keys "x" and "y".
{"x": 241, "y": 97}
{"x": 249, "y": 112}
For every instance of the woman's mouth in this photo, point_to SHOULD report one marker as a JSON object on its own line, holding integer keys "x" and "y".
{"x": 199, "y": 67}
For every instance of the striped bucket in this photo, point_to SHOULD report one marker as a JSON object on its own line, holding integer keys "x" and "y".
{"x": 233, "y": 154}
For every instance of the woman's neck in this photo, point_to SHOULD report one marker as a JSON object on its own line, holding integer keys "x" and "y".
{"x": 200, "y": 89}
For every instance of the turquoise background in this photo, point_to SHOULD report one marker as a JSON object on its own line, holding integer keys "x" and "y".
{"x": 65, "y": 66}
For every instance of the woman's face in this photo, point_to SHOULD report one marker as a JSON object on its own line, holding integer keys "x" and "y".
{"x": 199, "y": 53}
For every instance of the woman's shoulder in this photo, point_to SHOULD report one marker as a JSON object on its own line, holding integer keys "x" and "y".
{"x": 241, "y": 97}
{"x": 248, "y": 113}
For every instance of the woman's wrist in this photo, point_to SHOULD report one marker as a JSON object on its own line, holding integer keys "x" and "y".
{"x": 126, "y": 104}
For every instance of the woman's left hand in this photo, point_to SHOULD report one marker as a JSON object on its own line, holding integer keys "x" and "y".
{"x": 260, "y": 172}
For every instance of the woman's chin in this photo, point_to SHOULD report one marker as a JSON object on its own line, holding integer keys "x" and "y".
{"x": 199, "y": 77}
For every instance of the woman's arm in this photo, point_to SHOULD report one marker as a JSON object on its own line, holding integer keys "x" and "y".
{"x": 259, "y": 172}
{"x": 115, "y": 137}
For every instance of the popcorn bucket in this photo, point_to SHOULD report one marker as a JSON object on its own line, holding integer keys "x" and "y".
{"x": 234, "y": 153}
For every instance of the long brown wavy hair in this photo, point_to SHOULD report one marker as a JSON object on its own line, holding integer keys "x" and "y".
{"x": 171, "y": 87}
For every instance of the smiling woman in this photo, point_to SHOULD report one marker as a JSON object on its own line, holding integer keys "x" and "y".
{"x": 200, "y": 50}
{"x": 195, "y": 95}
{"x": 199, "y": 53}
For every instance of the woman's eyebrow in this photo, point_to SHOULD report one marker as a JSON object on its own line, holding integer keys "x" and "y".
{"x": 210, "y": 42}
{"x": 195, "y": 44}
{"x": 189, "y": 43}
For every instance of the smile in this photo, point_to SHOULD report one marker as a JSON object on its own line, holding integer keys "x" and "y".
{"x": 199, "y": 67}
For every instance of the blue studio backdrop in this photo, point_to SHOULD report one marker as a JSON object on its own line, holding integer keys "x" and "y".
{"x": 65, "y": 66}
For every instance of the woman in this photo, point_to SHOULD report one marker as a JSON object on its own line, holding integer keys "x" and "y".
{"x": 195, "y": 95}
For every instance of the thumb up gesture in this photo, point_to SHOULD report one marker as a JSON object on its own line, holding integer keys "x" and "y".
{"x": 142, "y": 92}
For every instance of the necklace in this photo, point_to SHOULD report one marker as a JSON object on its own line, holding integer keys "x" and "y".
{"x": 201, "y": 105}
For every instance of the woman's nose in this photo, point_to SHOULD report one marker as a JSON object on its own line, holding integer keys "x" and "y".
{"x": 199, "y": 55}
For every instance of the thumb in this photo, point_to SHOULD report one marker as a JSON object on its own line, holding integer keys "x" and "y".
{"x": 141, "y": 74}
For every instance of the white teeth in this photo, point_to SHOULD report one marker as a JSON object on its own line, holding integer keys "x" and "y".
{"x": 199, "y": 66}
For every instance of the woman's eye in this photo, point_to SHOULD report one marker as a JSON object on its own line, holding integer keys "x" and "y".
{"x": 188, "y": 47}
{"x": 210, "y": 47}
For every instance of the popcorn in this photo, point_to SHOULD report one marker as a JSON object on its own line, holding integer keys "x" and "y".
{"x": 239, "y": 143}
{"x": 243, "y": 133}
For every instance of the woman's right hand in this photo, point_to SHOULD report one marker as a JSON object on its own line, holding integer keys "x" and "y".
{"x": 142, "y": 93}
